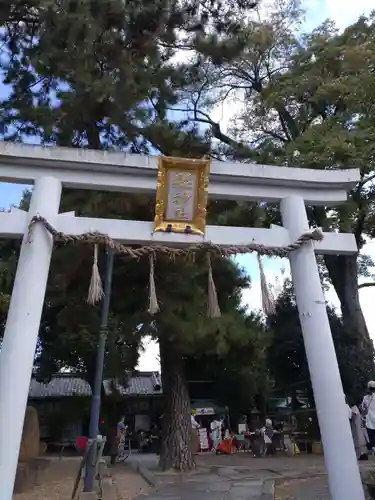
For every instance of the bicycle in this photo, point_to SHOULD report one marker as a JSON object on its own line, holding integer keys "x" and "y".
{"x": 124, "y": 449}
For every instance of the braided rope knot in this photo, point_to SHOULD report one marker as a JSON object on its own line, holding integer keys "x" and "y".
{"x": 97, "y": 238}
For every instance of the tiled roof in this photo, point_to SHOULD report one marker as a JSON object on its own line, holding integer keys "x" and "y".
{"x": 59, "y": 386}
{"x": 146, "y": 383}
{"x": 142, "y": 383}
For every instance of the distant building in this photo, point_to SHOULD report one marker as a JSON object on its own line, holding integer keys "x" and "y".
{"x": 63, "y": 404}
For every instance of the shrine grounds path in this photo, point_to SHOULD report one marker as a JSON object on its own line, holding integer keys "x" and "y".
{"x": 57, "y": 483}
{"x": 240, "y": 477}
{"x": 309, "y": 488}
{"x": 217, "y": 477}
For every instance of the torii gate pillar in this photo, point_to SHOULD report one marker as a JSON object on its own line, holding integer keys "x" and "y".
{"x": 339, "y": 453}
{"x": 22, "y": 327}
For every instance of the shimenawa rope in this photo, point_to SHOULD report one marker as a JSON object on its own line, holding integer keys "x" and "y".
{"x": 213, "y": 309}
{"x": 136, "y": 253}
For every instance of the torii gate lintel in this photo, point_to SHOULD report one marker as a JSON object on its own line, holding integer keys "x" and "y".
{"x": 14, "y": 224}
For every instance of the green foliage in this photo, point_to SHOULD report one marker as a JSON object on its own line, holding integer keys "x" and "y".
{"x": 100, "y": 74}
{"x": 287, "y": 358}
{"x": 239, "y": 373}
{"x": 69, "y": 330}
{"x": 303, "y": 100}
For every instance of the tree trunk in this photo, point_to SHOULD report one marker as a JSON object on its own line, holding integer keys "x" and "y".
{"x": 343, "y": 272}
{"x": 176, "y": 450}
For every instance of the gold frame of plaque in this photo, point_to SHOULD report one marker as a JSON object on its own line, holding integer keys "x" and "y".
{"x": 187, "y": 171}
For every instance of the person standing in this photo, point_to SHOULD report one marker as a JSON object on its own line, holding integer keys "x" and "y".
{"x": 359, "y": 433}
{"x": 194, "y": 431}
{"x": 368, "y": 413}
{"x": 215, "y": 427}
{"x": 121, "y": 427}
{"x": 113, "y": 438}
{"x": 223, "y": 427}
{"x": 268, "y": 434}
{"x": 226, "y": 424}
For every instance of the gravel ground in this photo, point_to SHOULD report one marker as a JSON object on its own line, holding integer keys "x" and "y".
{"x": 128, "y": 483}
{"x": 313, "y": 488}
{"x": 58, "y": 481}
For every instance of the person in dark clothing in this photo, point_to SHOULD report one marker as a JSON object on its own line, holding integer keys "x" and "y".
{"x": 268, "y": 434}
{"x": 155, "y": 439}
{"x": 112, "y": 440}
{"x": 222, "y": 427}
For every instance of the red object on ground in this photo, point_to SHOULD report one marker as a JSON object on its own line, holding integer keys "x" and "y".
{"x": 225, "y": 446}
{"x": 81, "y": 443}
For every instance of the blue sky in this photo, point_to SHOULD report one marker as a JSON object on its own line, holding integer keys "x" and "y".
{"x": 316, "y": 12}
{"x": 9, "y": 193}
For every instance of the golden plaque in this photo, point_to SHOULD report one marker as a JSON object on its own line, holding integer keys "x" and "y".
{"x": 181, "y": 195}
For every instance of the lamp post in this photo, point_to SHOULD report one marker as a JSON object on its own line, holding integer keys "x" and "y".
{"x": 96, "y": 397}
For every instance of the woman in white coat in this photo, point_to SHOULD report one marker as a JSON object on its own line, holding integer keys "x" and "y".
{"x": 359, "y": 432}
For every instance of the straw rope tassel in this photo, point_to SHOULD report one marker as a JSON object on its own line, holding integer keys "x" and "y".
{"x": 213, "y": 308}
{"x": 153, "y": 306}
{"x": 96, "y": 293}
{"x": 268, "y": 303}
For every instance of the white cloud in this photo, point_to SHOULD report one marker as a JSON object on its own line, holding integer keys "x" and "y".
{"x": 149, "y": 359}
{"x": 348, "y": 13}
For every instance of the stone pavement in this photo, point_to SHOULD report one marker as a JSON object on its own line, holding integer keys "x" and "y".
{"x": 224, "y": 484}
{"x": 214, "y": 479}
{"x": 279, "y": 464}
{"x": 240, "y": 477}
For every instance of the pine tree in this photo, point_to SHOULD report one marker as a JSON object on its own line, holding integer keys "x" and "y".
{"x": 287, "y": 357}
{"x": 100, "y": 74}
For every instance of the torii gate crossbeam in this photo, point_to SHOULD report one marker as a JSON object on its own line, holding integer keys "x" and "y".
{"x": 101, "y": 170}
{"x": 49, "y": 169}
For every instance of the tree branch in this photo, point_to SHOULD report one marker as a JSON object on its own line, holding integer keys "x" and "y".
{"x": 365, "y": 181}
{"x": 366, "y": 285}
{"x": 275, "y": 135}
{"x": 200, "y": 116}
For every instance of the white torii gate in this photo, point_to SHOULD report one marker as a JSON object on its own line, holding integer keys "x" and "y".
{"x": 49, "y": 169}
